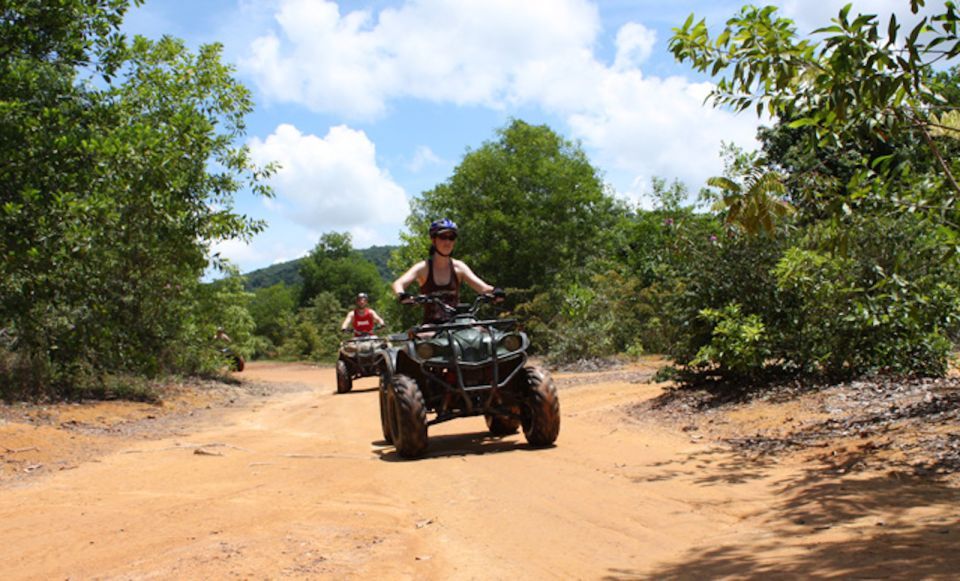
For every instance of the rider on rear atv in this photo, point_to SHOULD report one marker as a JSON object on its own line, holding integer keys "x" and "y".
{"x": 441, "y": 275}
{"x": 363, "y": 318}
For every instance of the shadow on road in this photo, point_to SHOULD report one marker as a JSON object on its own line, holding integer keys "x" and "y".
{"x": 356, "y": 391}
{"x": 825, "y": 525}
{"x": 467, "y": 444}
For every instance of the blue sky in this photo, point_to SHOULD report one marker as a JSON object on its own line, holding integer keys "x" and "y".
{"x": 366, "y": 104}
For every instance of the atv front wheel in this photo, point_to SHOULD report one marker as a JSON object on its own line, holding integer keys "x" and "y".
{"x": 408, "y": 417}
{"x": 540, "y": 411}
{"x": 344, "y": 381}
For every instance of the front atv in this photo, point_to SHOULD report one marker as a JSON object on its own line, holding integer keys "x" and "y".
{"x": 359, "y": 357}
{"x": 465, "y": 367}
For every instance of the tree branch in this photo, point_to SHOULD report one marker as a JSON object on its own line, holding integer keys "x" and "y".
{"x": 936, "y": 152}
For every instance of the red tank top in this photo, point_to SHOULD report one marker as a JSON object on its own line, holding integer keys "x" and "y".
{"x": 362, "y": 321}
{"x": 449, "y": 294}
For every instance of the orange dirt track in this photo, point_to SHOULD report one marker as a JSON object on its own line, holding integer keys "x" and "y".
{"x": 298, "y": 484}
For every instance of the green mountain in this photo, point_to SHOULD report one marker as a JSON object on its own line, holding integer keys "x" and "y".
{"x": 289, "y": 272}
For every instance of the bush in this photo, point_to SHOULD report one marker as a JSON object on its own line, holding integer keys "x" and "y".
{"x": 738, "y": 345}
{"x": 884, "y": 298}
{"x": 316, "y": 333}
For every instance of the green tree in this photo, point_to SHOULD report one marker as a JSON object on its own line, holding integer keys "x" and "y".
{"x": 755, "y": 204}
{"x": 530, "y": 206}
{"x": 272, "y": 309}
{"x": 315, "y": 333}
{"x": 108, "y": 203}
{"x": 220, "y": 305}
{"x": 334, "y": 266}
{"x": 863, "y": 88}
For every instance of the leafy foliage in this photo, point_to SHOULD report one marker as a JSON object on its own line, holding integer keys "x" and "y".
{"x": 289, "y": 272}
{"x": 530, "y": 207}
{"x": 107, "y": 205}
{"x": 315, "y": 332}
{"x": 272, "y": 309}
{"x": 738, "y": 343}
{"x": 335, "y": 267}
{"x": 857, "y": 89}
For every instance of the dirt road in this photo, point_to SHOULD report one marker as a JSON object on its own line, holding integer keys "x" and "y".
{"x": 299, "y": 485}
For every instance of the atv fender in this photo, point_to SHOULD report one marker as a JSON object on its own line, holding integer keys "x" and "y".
{"x": 404, "y": 363}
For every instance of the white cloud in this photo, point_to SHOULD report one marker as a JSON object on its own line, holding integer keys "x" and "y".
{"x": 499, "y": 54}
{"x": 660, "y": 128}
{"x": 243, "y": 254}
{"x": 365, "y": 237}
{"x": 330, "y": 183}
{"x": 634, "y": 45}
{"x": 423, "y": 157}
{"x": 466, "y": 52}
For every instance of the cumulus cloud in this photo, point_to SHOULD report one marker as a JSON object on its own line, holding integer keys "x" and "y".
{"x": 243, "y": 254}
{"x": 423, "y": 157}
{"x": 330, "y": 183}
{"x": 634, "y": 45}
{"x": 498, "y": 54}
{"x": 671, "y": 135}
{"x": 467, "y": 52}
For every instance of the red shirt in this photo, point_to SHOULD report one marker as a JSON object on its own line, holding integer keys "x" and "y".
{"x": 362, "y": 321}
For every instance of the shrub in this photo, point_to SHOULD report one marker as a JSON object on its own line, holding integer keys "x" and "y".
{"x": 738, "y": 344}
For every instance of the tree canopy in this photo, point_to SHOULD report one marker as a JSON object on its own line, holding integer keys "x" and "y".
{"x": 333, "y": 266}
{"x": 859, "y": 84}
{"x": 529, "y": 204}
{"x": 120, "y": 167}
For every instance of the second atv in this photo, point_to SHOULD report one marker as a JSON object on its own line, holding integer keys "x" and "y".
{"x": 465, "y": 367}
{"x": 360, "y": 356}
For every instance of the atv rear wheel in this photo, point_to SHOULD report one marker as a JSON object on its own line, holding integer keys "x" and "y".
{"x": 407, "y": 413}
{"x": 502, "y": 425}
{"x": 238, "y": 363}
{"x": 344, "y": 381}
{"x": 540, "y": 411}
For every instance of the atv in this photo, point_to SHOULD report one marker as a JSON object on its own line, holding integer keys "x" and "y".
{"x": 359, "y": 357}
{"x": 465, "y": 367}
{"x": 235, "y": 360}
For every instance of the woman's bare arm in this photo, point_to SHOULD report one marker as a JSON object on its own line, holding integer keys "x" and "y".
{"x": 471, "y": 279}
{"x": 416, "y": 272}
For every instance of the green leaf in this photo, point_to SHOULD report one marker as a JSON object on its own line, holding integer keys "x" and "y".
{"x": 803, "y": 122}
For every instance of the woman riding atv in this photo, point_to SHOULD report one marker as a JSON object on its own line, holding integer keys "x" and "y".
{"x": 363, "y": 319}
{"x": 441, "y": 275}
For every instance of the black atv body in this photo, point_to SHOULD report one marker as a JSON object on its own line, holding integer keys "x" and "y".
{"x": 361, "y": 356}
{"x": 235, "y": 360}
{"x": 460, "y": 368}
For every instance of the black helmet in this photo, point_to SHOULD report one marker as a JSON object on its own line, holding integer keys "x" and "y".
{"x": 438, "y": 226}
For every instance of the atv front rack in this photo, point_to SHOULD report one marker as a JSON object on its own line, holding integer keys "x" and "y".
{"x": 459, "y": 368}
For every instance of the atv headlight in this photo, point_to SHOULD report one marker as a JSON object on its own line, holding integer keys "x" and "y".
{"x": 424, "y": 350}
{"x": 350, "y": 348}
{"x": 511, "y": 342}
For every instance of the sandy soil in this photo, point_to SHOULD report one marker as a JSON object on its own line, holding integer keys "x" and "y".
{"x": 280, "y": 478}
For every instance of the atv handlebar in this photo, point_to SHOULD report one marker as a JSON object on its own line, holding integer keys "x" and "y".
{"x": 484, "y": 298}
{"x": 362, "y": 335}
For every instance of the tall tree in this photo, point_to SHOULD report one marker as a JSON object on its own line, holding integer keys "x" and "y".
{"x": 864, "y": 87}
{"x": 529, "y": 205}
{"x": 108, "y": 203}
{"x": 333, "y": 266}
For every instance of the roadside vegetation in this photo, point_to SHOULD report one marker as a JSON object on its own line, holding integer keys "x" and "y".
{"x": 829, "y": 253}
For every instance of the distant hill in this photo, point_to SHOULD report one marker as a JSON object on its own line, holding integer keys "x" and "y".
{"x": 289, "y": 272}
